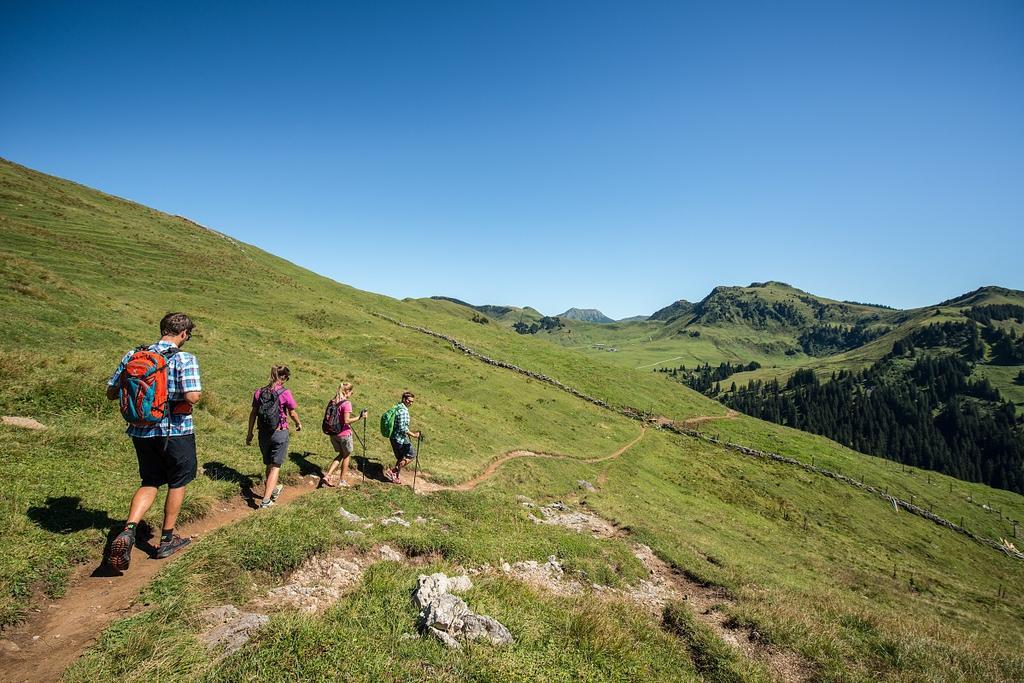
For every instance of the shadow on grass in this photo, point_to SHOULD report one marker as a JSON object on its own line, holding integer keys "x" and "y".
{"x": 306, "y": 466}
{"x": 366, "y": 467}
{"x": 371, "y": 468}
{"x": 218, "y": 471}
{"x": 65, "y": 515}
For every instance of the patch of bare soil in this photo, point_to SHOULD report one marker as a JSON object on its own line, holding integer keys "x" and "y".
{"x": 323, "y": 579}
{"x": 560, "y": 514}
{"x": 22, "y": 422}
{"x": 665, "y": 584}
{"x": 692, "y": 422}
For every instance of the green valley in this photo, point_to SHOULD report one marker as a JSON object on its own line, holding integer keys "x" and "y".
{"x": 609, "y": 547}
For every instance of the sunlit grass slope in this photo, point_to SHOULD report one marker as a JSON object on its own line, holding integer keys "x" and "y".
{"x": 86, "y": 276}
{"x": 814, "y": 566}
{"x": 808, "y": 562}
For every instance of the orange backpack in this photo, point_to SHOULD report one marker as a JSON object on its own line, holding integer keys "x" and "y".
{"x": 143, "y": 388}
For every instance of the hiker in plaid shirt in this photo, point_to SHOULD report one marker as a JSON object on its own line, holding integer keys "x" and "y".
{"x": 400, "y": 443}
{"x": 166, "y": 450}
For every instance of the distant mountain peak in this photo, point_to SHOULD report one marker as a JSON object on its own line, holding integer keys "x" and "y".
{"x": 981, "y": 294}
{"x": 770, "y": 283}
{"x": 674, "y": 310}
{"x": 589, "y": 315}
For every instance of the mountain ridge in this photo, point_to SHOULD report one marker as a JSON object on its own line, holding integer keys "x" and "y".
{"x": 589, "y": 315}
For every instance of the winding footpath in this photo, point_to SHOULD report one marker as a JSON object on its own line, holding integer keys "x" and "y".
{"x": 41, "y": 648}
{"x": 424, "y": 485}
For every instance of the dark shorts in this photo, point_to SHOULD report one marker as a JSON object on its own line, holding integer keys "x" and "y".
{"x": 274, "y": 446}
{"x": 403, "y": 451}
{"x": 166, "y": 460}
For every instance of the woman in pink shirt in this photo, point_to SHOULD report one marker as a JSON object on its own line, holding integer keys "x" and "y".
{"x": 342, "y": 439}
{"x": 271, "y": 407}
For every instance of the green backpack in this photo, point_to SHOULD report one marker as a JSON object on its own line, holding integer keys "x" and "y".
{"x": 387, "y": 421}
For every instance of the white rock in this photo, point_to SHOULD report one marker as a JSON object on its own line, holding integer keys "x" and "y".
{"x": 429, "y": 588}
{"x": 349, "y": 516}
{"x": 445, "y": 612}
{"x": 459, "y": 584}
{"x": 231, "y": 629}
{"x": 448, "y": 640}
{"x": 478, "y": 627}
{"x": 389, "y": 553}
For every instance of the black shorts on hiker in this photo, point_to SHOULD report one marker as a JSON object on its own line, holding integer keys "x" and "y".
{"x": 166, "y": 460}
{"x": 274, "y": 446}
{"x": 403, "y": 451}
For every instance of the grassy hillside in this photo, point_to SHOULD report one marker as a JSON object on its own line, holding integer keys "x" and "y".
{"x": 763, "y": 323}
{"x": 800, "y": 564}
{"x": 81, "y": 283}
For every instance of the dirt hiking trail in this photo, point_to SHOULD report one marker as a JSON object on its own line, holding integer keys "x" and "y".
{"x": 424, "y": 485}
{"x": 54, "y": 636}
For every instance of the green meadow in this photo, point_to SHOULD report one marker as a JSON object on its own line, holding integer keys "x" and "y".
{"x": 854, "y": 589}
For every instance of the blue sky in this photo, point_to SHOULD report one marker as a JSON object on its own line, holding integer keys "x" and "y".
{"x": 554, "y": 154}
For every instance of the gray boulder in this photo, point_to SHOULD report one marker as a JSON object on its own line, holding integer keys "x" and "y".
{"x": 478, "y": 627}
{"x": 448, "y": 618}
{"x": 230, "y": 629}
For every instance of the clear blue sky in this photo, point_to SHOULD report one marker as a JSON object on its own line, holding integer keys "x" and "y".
{"x": 594, "y": 154}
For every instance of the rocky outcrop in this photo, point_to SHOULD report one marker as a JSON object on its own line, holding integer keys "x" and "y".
{"x": 230, "y": 628}
{"x": 448, "y": 618}
{"x": 559, "y": 514}
{"x": 323, "y": 579}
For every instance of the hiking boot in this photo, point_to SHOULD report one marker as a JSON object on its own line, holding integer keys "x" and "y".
{"x": 266, "y": 504}
{"x": 121, "y": 551}
{"x": 276, "y": 493}
{"x": 168, "y": 548}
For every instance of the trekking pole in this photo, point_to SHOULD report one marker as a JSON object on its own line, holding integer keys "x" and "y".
{"x": 363, "y": 468}
{"x": 416, "y": 470}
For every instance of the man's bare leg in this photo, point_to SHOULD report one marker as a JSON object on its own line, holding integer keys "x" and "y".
{"x": 172, "y": 506}
{"x": 141, "y": 502}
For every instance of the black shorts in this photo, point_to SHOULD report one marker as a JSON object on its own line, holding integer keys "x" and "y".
{"x": 166, "y": 460}
{"x": 403, "y": 451}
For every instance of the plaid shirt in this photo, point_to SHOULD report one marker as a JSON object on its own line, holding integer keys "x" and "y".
{"x": 182, "y": 377}
{"x": 401, "y": 433}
